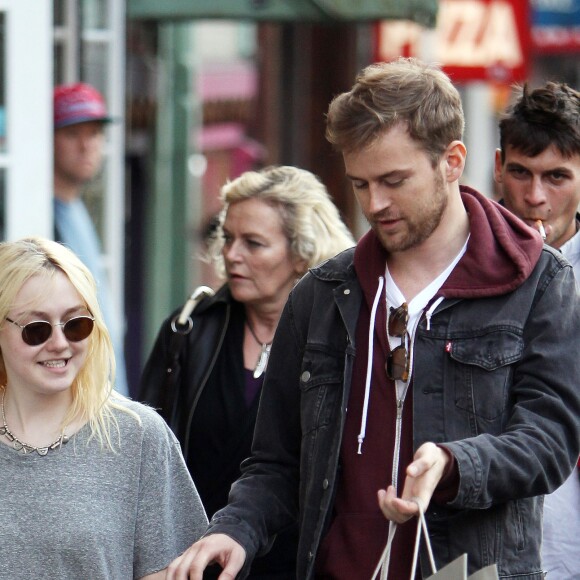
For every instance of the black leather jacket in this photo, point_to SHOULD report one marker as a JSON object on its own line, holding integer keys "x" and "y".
{"x": 507, "y": 408}
{"x": 210, "y": 322}
{"x": 213, "y": 319}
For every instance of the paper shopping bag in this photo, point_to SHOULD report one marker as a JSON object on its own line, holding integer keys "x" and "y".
{"x": 487, "y": 573}
{"x": 456, "y": 570}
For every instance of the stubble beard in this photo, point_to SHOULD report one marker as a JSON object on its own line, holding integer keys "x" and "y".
{"x": 419, "y": 228}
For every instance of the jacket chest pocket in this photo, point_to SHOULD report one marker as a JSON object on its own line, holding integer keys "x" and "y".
{"x": 321, "y": 379}
{"x": 482, "y": 371}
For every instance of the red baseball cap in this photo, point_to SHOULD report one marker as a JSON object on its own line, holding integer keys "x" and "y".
{"x": 78, "y": 103}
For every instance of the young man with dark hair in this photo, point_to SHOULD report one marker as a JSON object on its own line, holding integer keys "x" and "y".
{"x": 537, "y": 170}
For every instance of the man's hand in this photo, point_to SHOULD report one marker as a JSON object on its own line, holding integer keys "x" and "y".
{"x": 423, "y": 475}
{"x": 214, "y": 548}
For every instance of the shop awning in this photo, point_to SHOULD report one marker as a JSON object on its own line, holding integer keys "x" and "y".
{"x": 421, "y": 11}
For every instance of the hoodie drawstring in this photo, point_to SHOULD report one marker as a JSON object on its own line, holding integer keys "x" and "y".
{"x": 363, "y": 422}
{"x": 371, "y": 343}
{"x": 430, "y": 311}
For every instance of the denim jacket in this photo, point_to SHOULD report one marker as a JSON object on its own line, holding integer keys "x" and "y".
{"x": 497, "y": 385}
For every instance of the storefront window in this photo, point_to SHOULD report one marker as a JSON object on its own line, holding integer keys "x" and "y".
{"x": 95, "y": 72}
{"x": 94, "y": 14}
{"x": 58, "y": 14}
{"x": 95, "y": 65}
{"x": 59, "y": 66}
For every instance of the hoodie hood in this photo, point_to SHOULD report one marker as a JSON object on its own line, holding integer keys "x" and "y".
{"x": 501, "y": 253}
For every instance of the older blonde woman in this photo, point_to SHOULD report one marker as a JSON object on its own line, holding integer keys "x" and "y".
{"x": 275, "y": 224}
{"x": 93, "y": 485}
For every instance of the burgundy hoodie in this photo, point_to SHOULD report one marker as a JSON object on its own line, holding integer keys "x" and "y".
{"x": 501, "y": 253}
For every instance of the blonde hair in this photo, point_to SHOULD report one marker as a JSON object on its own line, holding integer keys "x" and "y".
{"x": 92, "y": 396}
{"x": 406, "y": 91}
{"x": 310, "y": 220}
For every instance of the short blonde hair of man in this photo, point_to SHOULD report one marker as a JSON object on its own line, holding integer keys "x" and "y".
{"x": 92, "y": 396}
{"x": 310, "y": 220}
{"x": 406, "y": 91}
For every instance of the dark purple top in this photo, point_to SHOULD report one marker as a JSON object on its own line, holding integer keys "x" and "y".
{"x": 252, "y": 386}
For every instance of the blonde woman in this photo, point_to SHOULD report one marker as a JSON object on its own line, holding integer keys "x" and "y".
{"x": 275, "y": 224}
{"x": 93, "y": 485}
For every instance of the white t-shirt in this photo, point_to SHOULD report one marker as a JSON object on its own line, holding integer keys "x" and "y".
{"x": 416, "y": 307}
{"x": 560, "y": 553}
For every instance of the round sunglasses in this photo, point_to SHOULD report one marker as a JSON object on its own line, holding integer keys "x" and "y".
{"x": 39, "y": 331}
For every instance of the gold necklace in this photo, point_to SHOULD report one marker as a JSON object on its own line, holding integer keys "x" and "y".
{"x": 26, "y": 447}
{"x": 262, "y": 361}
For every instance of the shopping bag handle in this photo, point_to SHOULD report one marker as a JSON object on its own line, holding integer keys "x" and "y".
{"x": 383, "y": 565}
{"x": 422, "y": 525}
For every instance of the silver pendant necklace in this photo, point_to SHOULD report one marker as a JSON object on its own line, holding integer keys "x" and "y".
{"x": 262, "y": 362}
{"x": 26, "y": 447}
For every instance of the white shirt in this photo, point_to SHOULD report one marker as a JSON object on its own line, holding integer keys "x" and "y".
{"x": 560, "y": 552}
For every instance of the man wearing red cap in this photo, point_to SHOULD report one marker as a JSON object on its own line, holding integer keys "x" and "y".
{"x": 79, "y": 118}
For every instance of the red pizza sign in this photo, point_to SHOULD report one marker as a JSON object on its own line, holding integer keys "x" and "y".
{"x": 473, "y": 40}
